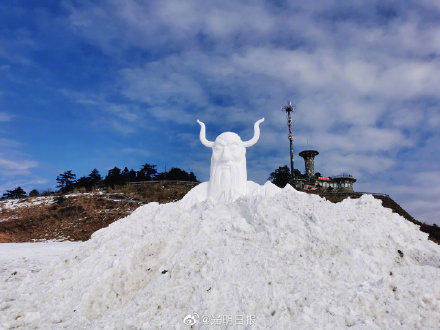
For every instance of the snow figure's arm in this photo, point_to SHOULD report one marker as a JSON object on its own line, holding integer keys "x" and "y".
{"x": 203, "y": 139}
{"x": 254, "y": 140}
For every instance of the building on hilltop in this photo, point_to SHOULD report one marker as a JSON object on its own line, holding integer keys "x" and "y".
{"x": 309, "y": 160}
{"x": 314, "y": 181}
{"x": 344, "y": 181}
{"x": 311, "y": 180}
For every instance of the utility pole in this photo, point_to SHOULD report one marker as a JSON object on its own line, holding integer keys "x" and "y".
{"x": 289, "y": 108}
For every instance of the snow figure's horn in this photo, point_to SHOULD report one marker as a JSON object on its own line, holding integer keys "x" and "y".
{"x": 254, "y": 140}
{"x": 203, "y": 139}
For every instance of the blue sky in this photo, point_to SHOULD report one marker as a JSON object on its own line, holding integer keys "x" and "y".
{"x": 105, "y": 83}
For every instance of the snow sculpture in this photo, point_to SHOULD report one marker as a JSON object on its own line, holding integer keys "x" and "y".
{"x": 228, "y": 175}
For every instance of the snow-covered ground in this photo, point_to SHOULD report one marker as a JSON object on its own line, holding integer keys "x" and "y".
{"x": 275, "y": 258}
{"x": 10, "y": 204}
{"x": 19, "y": 260}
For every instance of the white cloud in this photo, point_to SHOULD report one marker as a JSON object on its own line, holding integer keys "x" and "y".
{"x": 13, "y": 167}
{"x": 420, "y": 195}
{"x": 5, "y": 117}
{"x": 121, "y": 117}
{"x": 13, "y": 164}
{"x": 17, "y": 165}
{"x": 8, "y": 143}
{"x": 367, "y": 83}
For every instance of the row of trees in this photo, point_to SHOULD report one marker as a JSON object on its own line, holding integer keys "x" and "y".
{"x": 116, "y": 177}
{"x": 68, "y": 181}
{"x": 19, "y": 193}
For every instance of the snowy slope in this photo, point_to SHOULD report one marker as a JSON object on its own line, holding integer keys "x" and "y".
{"x": 277, "y": 258}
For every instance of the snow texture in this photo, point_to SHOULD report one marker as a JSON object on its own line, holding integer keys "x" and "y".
{"x": 293, "y": 260}
{"x": 11, "y": 204}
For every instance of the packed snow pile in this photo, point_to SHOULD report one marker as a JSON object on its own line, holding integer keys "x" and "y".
{"x": 274, "y": 258}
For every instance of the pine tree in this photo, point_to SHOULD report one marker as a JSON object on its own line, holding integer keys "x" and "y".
{"x": 114, "y": 177}
{"x": 16, "y": 193}
{"x": 147, "y": 172}
{"x": 280, "y": 176}
{"x": 132, "y": 176}
{"x": 95, "y": 177}
{"x": 34, "y": 193}
{"x": 125, "y": 174}
{"x": 84, "y": 182}
{"x": 66, "y": 181}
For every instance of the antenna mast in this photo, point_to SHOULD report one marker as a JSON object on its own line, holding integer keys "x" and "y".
{"x": 289, "y": 108}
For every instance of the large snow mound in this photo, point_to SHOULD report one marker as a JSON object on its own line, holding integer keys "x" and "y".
{"x": 286, "y": 258}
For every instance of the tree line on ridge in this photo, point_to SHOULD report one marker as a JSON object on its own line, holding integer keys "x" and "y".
{"x": 67, "y": 181}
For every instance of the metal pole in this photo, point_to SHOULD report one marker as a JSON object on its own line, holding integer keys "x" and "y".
{"x": 289, "y": 109}
{"x": 291, "y": 144}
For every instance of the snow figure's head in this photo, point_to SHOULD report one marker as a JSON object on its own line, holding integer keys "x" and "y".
{"x": 228, "y": 175}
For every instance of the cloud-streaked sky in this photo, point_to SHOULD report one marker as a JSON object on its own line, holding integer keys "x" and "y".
{"x": 87, "y": 84}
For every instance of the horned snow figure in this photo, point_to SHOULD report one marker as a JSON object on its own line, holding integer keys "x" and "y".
{"x": 228, "y": 175}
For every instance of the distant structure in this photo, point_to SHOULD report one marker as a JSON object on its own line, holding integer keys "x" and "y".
{"x": 311, "y": 180}
{"x": 314, "y": 181}
{"x": 309, "y": 160}
{"x": 289, "y": 109}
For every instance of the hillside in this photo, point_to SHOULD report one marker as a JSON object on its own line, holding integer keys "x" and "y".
{"x": 76, "y": 217}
